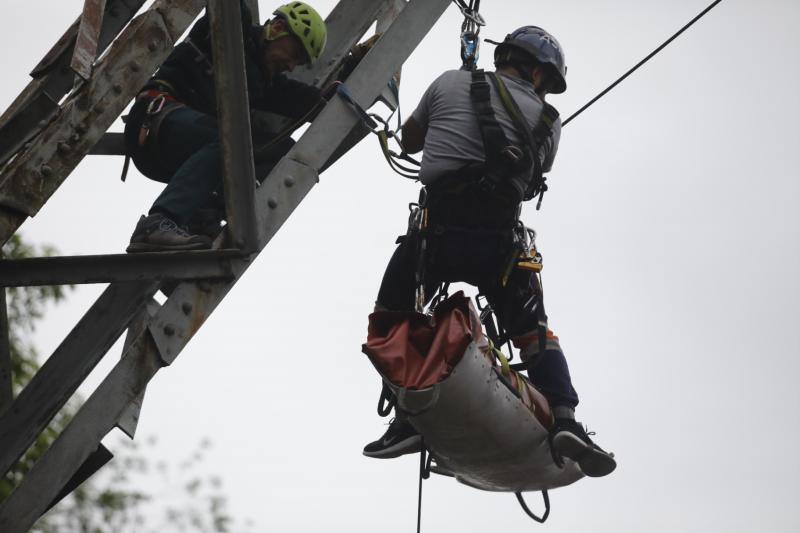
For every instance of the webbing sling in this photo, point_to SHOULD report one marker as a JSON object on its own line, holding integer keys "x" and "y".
{"x": 533, "y": 139}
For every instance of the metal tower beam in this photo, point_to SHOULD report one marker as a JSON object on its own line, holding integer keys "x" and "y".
{"x": 28, "y": 181}
{"x": 62, "y": 373}
{"x": 6, "y": 368}
{"x": 233, "y": 110}
{"x": 190, "y": 303}
{"x": 37, "y": 104}
{"x": 154, "y": 266}
{"x": 111, "y": 314}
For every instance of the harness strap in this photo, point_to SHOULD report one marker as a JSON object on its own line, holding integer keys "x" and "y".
{"x": 533, "y": 139}
{"x": 492, "y": 134}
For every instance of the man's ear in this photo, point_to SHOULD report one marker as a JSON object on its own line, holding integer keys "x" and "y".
{"x": 276, "y": 27}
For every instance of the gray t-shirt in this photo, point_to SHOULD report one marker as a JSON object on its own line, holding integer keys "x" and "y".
{"x": 453, "y": 138}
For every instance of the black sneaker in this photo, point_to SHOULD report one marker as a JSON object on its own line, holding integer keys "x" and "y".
{"x": 157, "y": 233}
{"x": 569, "y": 439}
{"x": 206, "y": 221}
{"x": 400, "y": 439}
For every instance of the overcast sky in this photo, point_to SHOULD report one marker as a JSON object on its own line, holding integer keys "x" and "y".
{"x": 671, "y": 250}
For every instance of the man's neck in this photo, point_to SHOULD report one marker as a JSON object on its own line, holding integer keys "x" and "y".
{"x": 515, "y": 73}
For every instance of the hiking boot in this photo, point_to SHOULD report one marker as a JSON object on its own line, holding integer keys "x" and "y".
{"x": 206, "y": 221}
{"x": 400, "y": 439}
{"x": 569, "y": 439}
{"x": 157, "y": 233}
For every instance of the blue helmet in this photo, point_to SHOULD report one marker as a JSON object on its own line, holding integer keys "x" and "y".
{"x": 534, "y": 41}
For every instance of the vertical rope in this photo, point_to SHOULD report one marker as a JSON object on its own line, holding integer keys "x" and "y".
{"x": 422, "y": 463}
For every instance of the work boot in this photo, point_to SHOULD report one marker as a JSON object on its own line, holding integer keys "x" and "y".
{"x": 157, "y": 233}
{"x": 206, "y": 221}
{"x": 569, "y": 439}
{"x": 400, "y": 439}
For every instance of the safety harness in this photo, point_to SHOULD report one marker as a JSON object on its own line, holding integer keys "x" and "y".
{"x": 504, "y": 159}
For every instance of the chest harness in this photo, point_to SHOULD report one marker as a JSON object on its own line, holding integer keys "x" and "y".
{"x": 503, "y": 158}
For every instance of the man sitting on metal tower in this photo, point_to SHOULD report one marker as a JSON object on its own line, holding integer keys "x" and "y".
{"x": 487, "y": 139}
{"x": 172, "y": 135}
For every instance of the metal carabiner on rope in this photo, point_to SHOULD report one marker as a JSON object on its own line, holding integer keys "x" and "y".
{"x": 470, "y": 11}
{"x": 470, "y": 31}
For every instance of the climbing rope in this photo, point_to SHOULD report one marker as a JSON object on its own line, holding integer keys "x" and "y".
{"x": 423, "y": 474}
{"x": 402, "y": 163}
{"x": 642, "y": 62}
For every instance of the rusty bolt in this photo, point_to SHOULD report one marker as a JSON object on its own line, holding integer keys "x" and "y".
{"x": 272, "y": 203}
{"x": 169, "y": 330}
{"x": 186, "y": 308}
{"x": 289, "y": 181}
{"x": 64, "y": 148}
{"x": 46, "y": 170}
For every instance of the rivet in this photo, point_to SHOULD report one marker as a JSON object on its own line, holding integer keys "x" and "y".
{"x": 46, "y": 170}
{"x": 289, "y": 181}
{"x": 135, "y": 67}
{"x": 272, "y": 203}
{"x": 152, "y": 46}
{"x": 186, "y": 307}
{"x": 169, "y": 330}
{"x": 99, "y": 108}
{"x": 81, "y": 128}
{"x": 64, "y": 148}
{"x": 42, "y": 124}
{"x": 117, "y": 88}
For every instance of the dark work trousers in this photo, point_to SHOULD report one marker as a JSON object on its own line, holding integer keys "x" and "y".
{"x": 187, "y": 156}
{"x": 478, "y": 257}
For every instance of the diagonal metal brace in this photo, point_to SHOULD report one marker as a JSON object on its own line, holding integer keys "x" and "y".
{"x": 88, "y": 36}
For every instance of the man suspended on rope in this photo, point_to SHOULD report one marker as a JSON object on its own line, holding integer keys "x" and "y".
{"x": 172, "y": 135}
{"x": 478, "y": 165}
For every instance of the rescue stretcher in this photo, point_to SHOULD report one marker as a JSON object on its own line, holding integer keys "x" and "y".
{"x": 482, "y": 423}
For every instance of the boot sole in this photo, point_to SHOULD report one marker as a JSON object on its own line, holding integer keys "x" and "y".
{"x": 139, "y": 247}
{"x": 406, "y": 446}
{"x": 592, "y": 462}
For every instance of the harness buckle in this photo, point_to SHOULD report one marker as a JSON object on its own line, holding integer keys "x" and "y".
{"x": 513, "y": 154}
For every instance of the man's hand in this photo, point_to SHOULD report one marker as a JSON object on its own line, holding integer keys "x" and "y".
{"x": 360, "y": 50}
{"x": 355, "y": 56}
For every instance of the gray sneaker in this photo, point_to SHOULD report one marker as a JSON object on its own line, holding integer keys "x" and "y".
{"x": 157, "y": 233}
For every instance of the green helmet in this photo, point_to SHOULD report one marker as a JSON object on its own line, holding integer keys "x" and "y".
{"x": 306, "y": 24}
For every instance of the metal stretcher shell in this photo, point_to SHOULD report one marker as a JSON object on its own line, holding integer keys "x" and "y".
{"x": 472, "y": 417}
